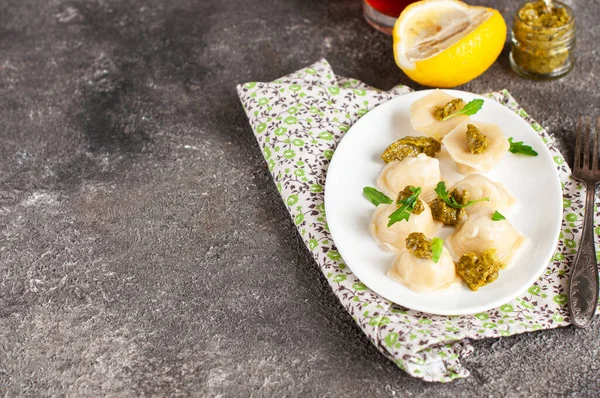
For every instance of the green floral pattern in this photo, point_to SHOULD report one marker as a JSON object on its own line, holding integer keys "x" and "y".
{"x": 298, "y": 121}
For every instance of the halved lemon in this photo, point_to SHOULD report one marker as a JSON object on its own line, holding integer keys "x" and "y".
{"x": 446, "y": 43}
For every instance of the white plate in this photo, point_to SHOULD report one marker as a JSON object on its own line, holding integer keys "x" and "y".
{"x": 532, "y": 180}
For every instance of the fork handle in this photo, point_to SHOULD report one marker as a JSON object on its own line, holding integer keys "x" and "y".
{"x": 583, "y": 286}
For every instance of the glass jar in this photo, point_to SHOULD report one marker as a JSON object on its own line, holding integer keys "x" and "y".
{"x": 543, "y": 49}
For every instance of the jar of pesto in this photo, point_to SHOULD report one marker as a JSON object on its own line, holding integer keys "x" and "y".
{"x": 543, "y": 40}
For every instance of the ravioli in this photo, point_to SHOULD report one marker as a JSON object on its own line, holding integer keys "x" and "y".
{"x": 480, "y": 233}
{"x": 394, "y": 238}
{"x": 467, "y": 162}
{"x": 423, "y": 275}
{"x": 479, "y": 187}
{"x": 420, "y": 171}
{"x": 422, "y": 115}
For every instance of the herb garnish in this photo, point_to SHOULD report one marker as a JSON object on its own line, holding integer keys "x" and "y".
{"x": 437, "y": 245}
{"x": 450, "y": 201}
{"x": 376, "y": 197}
{"x": 498, "y": 216}
{"x": 408, "y": 204}
{"x": 470, "y": 109}
{"x": 520, "y": 148}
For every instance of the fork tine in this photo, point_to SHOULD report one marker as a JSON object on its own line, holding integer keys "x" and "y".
{"x": 596, "y": 149}
{"x": 578, "y": 133}
{"x": 586, "y": 143}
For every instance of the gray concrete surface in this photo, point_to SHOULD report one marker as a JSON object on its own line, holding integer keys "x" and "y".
{"x": 144, "y": 250}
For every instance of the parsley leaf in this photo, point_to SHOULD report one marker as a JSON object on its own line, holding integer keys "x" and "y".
{"x": 437, "y": 245}
{"x": 498, "y": 216}
{"x": 376, "y": 197}
{"x": 520, "y": 148}
{"x": 450, "y": 201}
{"x": 403, "y": 212}
{"x": 470, "y": 109}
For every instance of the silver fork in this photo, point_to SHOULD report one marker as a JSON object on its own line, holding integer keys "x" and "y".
{"x": 583, "y": 286}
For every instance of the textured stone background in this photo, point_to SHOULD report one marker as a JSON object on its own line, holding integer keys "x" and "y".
{"x": 143, "y": 247}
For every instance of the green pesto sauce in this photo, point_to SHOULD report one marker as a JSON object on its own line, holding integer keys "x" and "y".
{"x": 543, "y": 38}
{"x": 406, "y": 193}
{"x": 446, "y": 214}
{"x": 478, "y": 270}
{"x": 476, "y": 141}
{"x": 442, "y": 112}
{"x": 411, "y": 147}
{"x": 536, "y": 14}
{"x": 418, "y": 244}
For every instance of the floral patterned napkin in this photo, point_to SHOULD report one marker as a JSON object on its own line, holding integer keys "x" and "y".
{"x": 298, "y": 121}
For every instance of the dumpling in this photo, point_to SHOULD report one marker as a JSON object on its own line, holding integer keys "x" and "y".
{"x": 394, "y": 238}
{"x": 479, "y": 187}
{"x": 480, "y": 233}
{"x": 421, "y": 171}
{"x": 423, "y": 275}
{"x": 421, "y": 115}
{"x": 467, "y": 162}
